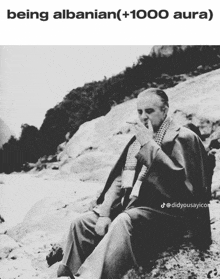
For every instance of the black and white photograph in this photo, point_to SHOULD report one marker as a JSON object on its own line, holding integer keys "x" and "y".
{"x": 109, "y": 139}
{"x": 109, "y": 161}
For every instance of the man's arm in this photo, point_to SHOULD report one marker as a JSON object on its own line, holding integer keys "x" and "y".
{"x": 180, "y": 176}
{"x": 110, "y": 199}
{"x": 104, "y": 210}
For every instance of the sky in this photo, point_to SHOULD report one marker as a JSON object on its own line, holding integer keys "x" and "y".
{"x": 34, "y": 79}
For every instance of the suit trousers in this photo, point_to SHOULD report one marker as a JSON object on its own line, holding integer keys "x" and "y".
{"x": 91, "y": 256}
{"x": 132, "y": 237}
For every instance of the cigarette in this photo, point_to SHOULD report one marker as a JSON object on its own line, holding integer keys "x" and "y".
{"x": 133, "y": 123}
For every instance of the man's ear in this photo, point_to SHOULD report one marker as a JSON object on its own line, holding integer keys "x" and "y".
{"x": 165, "y": 109}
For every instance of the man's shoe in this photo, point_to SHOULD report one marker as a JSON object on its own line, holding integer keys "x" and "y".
{"x": 64, "y": 270}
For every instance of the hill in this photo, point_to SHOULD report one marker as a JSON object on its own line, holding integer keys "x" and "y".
{"x": 164, "y": 67}
{"x": 94, "y": 148}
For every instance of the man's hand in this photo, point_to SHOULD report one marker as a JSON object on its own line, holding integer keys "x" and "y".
{"x": 102, "y": 225}
{"x": 143, "y": 134}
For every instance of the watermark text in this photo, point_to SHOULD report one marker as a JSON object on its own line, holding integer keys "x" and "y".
{"x": 184, "y": 205}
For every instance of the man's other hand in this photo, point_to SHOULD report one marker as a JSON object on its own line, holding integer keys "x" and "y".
{"x": 102, "y": 225}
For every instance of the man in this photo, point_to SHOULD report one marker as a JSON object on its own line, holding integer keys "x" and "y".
{"x": 162, "y": 165}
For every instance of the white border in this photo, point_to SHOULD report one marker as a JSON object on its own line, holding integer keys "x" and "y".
{"x": 109, "y": 32}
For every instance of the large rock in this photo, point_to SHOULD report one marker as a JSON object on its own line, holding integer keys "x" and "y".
{"x": 198, "y": 95}
{"x": 98, "y": 143}
{"x": 98, "y": 133}
{"x": 50, "y": 217}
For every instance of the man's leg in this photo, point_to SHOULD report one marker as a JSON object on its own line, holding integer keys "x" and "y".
{"x": 153, "y": 232}
{"x": 113, "y": 256}
{"x": 80, "y": 243}
{"x": 132, "y": 233}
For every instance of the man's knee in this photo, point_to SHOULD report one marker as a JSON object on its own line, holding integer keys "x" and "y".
{"x": 76, "y": 222}
{"x": 83, "y": 220}
{"x": 123, "y": 220}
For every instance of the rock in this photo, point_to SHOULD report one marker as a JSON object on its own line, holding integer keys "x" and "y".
{"x": 92, "y": 161}
{"x": 99, "y": 175}
{"x": 201, "y": 93}
{"x": 50, "y": 217}
{"x": 55, "y": 254}
{"x": 47, "y": 217}
{"x": 7, "y": 244}
{"x": 1, "y": 219}
{"x": 98, "y": 143}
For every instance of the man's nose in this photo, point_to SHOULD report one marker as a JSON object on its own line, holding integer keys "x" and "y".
{"x": 144, "y": 116}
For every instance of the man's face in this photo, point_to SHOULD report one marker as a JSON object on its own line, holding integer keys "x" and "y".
{"x": 150, "y": 107}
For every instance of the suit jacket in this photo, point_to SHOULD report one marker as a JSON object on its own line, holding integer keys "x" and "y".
{"x": 178, "y": 171}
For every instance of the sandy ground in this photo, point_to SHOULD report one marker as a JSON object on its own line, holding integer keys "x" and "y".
{"x": 35, "y": 193}
{"x": 20, "y": 191}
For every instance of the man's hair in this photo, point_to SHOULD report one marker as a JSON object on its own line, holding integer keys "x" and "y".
{"x": 156, "y": 91}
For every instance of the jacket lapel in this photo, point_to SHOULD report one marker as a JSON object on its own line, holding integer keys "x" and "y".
{"x": 168, "y": 140}
{"x": 116, "y": 170}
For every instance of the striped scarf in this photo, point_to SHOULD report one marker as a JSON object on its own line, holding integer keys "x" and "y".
{"x": 128, "y": 172}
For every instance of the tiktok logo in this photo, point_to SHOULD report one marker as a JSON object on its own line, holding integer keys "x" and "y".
{"x": 163, "y": 205}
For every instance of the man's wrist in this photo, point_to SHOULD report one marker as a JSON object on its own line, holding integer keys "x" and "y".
{"x": 144, "y": 143}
